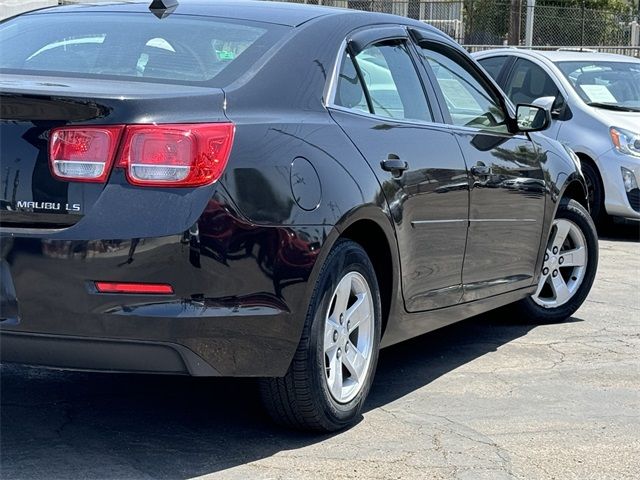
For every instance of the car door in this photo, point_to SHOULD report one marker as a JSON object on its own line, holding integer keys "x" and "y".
{"x": 507, "y": 197}
{"x": 382, "y": 104}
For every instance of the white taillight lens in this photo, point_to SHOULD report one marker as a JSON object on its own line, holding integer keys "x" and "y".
{"x": 83, "y": 154}
{"x": 176, "y": 155}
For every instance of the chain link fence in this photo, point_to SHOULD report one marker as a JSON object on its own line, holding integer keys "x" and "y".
{"x": 481, "y": 24}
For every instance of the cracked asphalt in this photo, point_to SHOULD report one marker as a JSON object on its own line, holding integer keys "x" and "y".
{"x": 490, "y": 397}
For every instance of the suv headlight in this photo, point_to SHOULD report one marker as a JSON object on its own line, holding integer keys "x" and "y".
{"x": 625, "y": 141}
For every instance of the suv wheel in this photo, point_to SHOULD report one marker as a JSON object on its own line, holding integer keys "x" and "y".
{"x": 333, "y": 368}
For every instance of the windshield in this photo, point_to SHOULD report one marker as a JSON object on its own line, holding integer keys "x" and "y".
{"x": 176, "y": 49}
{"x": 614, "y": 85}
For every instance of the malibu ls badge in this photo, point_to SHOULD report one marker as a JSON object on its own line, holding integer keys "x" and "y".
{"x": 75, "y": 207}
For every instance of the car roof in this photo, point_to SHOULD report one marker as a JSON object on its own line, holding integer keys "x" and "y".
{"x": 289, "y": 14}
{"x": 556, "y": 56}
{"x": 283, "y": 13}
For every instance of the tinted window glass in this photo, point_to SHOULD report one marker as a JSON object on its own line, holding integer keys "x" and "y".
{"x": 467, "y": 97}
{"x": 350, "y": 93}
{"x": 391, "y": 80}
{"x": 134, "y": 46}
{"x": 493, "y": 65}
{"x": 529, "y": 82}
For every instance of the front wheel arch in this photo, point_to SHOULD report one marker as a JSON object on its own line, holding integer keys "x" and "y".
{"x": 576, "y": 190}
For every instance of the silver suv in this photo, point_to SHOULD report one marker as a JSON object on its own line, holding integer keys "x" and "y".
{"x": 595, "y": 100}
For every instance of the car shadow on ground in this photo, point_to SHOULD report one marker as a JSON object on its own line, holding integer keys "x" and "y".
{"x": 624, "y": 232}
{"x": 65, "y": 424}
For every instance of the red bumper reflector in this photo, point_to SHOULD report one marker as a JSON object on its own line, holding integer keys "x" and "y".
{"x": 134, "y": 288}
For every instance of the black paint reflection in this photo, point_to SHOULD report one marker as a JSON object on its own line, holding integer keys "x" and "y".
{"x": 284, "y": 255}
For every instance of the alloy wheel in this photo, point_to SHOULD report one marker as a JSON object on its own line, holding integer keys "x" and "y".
{"x": 565, "y": 264}
{"x": 348, "y": 337}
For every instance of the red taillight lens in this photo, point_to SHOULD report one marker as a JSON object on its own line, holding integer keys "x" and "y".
{"x": 134, "y": 288}
{"x": 176, "y": 155}
{"x": 83, "y": 154}
{"x": 181, "y": 155}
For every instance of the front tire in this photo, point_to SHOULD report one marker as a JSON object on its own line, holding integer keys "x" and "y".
{"x": 333, "y": 368}
{"x": 595, "y": 192}
{"x": 569, "y": 269}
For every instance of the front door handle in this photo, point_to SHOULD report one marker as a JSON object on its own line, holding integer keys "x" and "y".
{"x": 394, "y": 165}
{"x": 481, "y": 170}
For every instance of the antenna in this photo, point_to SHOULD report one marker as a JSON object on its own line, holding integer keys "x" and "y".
{"x": 163, "y": 8}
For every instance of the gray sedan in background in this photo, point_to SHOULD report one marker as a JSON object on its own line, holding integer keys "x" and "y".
{"x": 595, "y": 100}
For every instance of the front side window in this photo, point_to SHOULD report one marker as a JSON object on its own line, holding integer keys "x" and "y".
{"x": 469, "y": 101}
{"x": 528, "y": 82}
{"x": 391, "y": 82}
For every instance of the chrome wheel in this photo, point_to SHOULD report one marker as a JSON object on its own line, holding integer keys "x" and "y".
{"x": 565, "y": 264}
{"x": 348, "y": 337}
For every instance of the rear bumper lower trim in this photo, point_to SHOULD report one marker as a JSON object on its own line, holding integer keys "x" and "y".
{"x": 102, "y": 355}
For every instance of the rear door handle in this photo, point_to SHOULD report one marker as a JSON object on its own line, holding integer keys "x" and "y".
{"x": 481, "y": 170}
{"x": 394, "y": 165}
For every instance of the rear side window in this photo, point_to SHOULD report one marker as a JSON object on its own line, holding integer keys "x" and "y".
{"x": 493, "y": 66}
{"x": 390, "y": 79}
{"x": 350, "y": 93}
{"x": 178, "y": 48}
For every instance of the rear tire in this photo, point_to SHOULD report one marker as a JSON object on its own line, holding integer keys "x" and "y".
{"x": 571, "y": 262}
{"x": 333, "y": 368}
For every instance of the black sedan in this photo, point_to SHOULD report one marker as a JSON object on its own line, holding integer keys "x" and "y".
{"x": 268, "y": 190}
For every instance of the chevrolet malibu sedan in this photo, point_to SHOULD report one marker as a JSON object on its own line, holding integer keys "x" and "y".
{"x": 595, "y": 99}
{"x": 268, "y": 190}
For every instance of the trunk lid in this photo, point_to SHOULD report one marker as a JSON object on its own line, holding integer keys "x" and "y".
{"x": 30, "y": 106}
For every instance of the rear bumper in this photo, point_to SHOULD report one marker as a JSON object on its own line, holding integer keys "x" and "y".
{"x": 238, "y": 308}
{"x": 102, "y": 355}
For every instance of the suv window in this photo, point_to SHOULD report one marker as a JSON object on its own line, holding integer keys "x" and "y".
{"x": 493, "y": 65}
{"x": 391, "y": 82}
{"x": 529, "y": 82}
{"x": 471, "y": 103}
{"x": 134, "y": 46}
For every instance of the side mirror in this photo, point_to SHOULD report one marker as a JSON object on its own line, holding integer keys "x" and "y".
{"x": 557, "y": 105}
{"x": 531, "y": 118}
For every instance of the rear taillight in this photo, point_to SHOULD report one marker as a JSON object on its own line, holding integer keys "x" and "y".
{"x": 83, "y": 154}
{"x": 181, "y": 155}
{"x": 176, "y": 155}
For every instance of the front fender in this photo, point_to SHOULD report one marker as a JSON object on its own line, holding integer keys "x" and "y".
{"x": 563, "y": 176}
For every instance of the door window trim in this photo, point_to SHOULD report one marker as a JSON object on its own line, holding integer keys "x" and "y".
{"x": 488, "y": 83}
{"x": 331, "y": 86}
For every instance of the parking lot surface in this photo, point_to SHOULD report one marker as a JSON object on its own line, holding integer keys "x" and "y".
{"x": 492, "y": 397}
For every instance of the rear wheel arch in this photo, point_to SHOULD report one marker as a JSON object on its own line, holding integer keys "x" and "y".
{"x": 372, "y": 238}
{"x": 371, "y": 227}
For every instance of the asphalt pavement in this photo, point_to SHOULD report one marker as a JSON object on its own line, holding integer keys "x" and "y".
{"x": 490, "y": 398}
